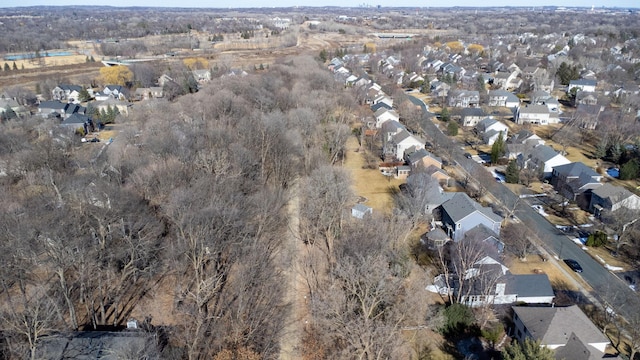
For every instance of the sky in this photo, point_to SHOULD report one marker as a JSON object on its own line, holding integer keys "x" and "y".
{"x": 352, "y": 3}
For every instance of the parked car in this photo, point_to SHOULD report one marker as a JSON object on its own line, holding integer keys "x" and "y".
{"x": 573, "y": 265}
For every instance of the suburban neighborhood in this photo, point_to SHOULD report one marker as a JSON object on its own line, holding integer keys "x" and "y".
{"x": 288, "y": 183}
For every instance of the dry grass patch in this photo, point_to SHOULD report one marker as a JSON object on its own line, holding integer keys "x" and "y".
{"x": 369, "y": 183}
{"x": 535, "y": 265}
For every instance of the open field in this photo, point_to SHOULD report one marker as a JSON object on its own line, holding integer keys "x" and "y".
{"x": 369, "y": 183}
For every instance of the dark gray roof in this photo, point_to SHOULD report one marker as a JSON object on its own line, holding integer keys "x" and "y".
{"x": 575, "y": 169}
{"x": 55, "y": 104}
{"x": 529, "y": 285}
{"x": 436, "y": 234}
{"x": 553, "y": 325}
{"x": 380, "y": 105}
{"x": 461, "y": 205}
{"x": 472, "y": 112}
{"x": 543, "y": 153}
{"x": 76, "y": 119}
{"x": 93, "y": 345}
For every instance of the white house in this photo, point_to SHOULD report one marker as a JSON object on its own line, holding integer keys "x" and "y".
{"x": 535, "y": 114}
{"x": 403, "y": 141}
{"x": 582, "y": 85}
{"x": 542, "y": 157}
{"x": 383, "y": 115}
{"x": 359, "y": 211}
{"x": 490, "y": 129}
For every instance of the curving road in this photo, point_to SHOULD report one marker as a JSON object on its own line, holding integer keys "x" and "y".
{"x": 606, "y": 287}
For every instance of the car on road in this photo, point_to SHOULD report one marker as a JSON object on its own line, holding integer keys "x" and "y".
{"x": 467, "y": 155}
{"x": 573, "y": 265}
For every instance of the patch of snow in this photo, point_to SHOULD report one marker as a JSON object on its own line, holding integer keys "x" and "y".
{"x": 540, "y": 210}
{"x": 613, "y": 268}
{"x": 586, "y": 225}
{"x": 600, "y": 259}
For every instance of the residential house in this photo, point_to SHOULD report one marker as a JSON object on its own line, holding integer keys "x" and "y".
{"x": 70, "y": 93}
{"x": 535, "y": 114}
{"x": 390, "y": 128}
{"x": 488, "y": 282}
{"x": 587, "y": 85}
{"x": 379, "y": 106}
{"x": 201, "y": 75}
{"x": 543, "y": 158}
{"x": 588, "y": 116}
{"x": 503, "y": 98}
{"x": 400, "y": 142}
{"x": 7, "y": 103}
{"x": 421, "y": 158}
{"x": 122, "y": 106}
{"x": 383, "y": 115}
{"x": 383, "y": 98}
{"x": 464, "y": 98}
{"x": 522, "y": 142}
{"x": 438, "y": 174}
{"x": 489, "y": 240}
{"x": 359, "y": 211}
{"x": 507, "y": 80}
{"x": 575, "y": 181}
{"x": 491, "y": 129}
{"x": 566, "y": 330}
{"x": 471, "y": 116}
{"x": 540, "y": 97}
{"x": 104, "y": 345}
{"x": 154, "y": 92}
{"x": 112, "y": 91}
{"x": 402, "y": 172}
{"x": 611, "y": 198}
{"x": 77, "y": 121}
{"x": 439, "y": 89}
{"x": 586, "y": 98}
{"x": 56, "y": 108}
{"x": 461, "y": 214}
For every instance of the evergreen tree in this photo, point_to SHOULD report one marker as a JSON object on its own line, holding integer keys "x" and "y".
{"x": 512, "y": 173}
{"x": 527, "y": 350}
{"x": 444, "y": 114}
{"x": 9, "y": 113}
{"x": 566, "y": 73}
{"x": 498, "y": 148}
{"x": 6, "y": 67}
{"x": 630, "y": 170}
{"x": 452, "y": 128}
{"x": 323, "y": 55}
{"x": 15, "y": 67}
{"x": 84, "y": 95}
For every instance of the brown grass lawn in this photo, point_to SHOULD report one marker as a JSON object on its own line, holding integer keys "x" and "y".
{"x": 369, "y": 183}
{"x": 535, "y": 265}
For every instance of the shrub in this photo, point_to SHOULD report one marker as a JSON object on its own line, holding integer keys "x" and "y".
{"x": 597, "y": 239}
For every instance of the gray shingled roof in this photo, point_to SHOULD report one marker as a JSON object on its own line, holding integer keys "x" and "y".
{"x": 472, "y": 112}
{"x": 553, "y": 325}
{"x": 529, "y": 285}
{"x": 534, "y": 109}
{"x": 614, "y": 193}
{"x": 461, "y": 205}
{"x": 543, "y": 153}
{"x": 582, "y": 82}
{"x": 575, "y": 169}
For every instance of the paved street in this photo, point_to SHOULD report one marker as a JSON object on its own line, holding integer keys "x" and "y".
{"x": 606, "y": 286}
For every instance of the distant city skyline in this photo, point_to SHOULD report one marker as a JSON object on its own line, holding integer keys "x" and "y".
{"x": 350, "y": 3}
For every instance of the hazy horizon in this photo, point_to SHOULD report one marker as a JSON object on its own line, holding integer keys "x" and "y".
{"x": 632, "y": 4}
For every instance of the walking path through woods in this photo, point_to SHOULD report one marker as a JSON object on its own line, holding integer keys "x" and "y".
{"x": 297, "y": 291}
